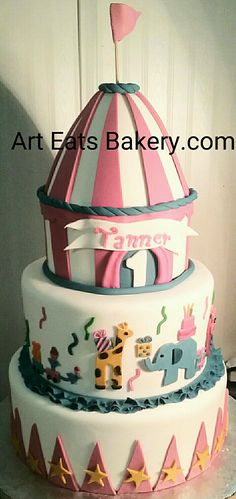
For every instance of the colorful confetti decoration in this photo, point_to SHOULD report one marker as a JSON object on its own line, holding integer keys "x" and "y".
{"x": 43, "y": 318}
{"x": 73, "y": 344}
{"x": 87, "y": 326}
{"x": 164, "y": 315}
{"x": 206, "y": 307}
{"x": 133, "y": 378}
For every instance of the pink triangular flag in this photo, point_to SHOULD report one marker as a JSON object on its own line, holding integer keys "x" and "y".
{"x": 123, "y": 20}
{"x": 60, "y": 472}
{"x": 101, "y": 483}
{"x": 17, "y": 436}
{"x": 136, "y": 463}
{"x": 201, "y": 457}
{"x": 226, "y": 412}
{"x": 171, "y": 473}
{"x": 218, "y": 438}
{"x": 35, "y": 458}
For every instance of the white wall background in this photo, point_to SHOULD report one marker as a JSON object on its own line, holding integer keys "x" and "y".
{"x": 53, "y": 55}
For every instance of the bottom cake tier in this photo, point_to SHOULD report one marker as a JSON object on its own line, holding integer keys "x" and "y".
{"x": 111, "y": 453}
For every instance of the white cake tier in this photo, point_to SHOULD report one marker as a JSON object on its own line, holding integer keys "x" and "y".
{"x": 57, "y": 318}
{"x": 117, "y": 433}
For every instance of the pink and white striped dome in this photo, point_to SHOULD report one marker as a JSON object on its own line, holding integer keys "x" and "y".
{"x": 117, "y": 178}
{"x": 102, "y": 206}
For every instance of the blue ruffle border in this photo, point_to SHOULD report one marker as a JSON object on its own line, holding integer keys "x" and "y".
{"x": 212, "y": 372}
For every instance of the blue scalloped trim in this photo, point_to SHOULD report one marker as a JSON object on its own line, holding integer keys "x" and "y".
{"x": 108, "y": 211}
{"x": 119, "y": 88}
{"x": 212, "y": 372}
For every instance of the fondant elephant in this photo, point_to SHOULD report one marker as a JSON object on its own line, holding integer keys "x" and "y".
{"x": 172, "y": 357}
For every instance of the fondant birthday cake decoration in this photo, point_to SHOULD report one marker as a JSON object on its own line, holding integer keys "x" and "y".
{"x": 119, "y": 388}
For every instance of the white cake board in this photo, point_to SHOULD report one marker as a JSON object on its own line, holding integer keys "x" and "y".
{"x": 18, "y": 482}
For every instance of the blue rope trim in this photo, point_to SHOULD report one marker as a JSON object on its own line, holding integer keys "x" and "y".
{"x": 60, "y": 281}
{"x": 119, "y": 88}
{"x": 114, "y": 212}
{"x": 212, "y": 372}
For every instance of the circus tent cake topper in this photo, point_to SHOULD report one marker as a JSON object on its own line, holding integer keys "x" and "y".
{"x": 117, "y": 218}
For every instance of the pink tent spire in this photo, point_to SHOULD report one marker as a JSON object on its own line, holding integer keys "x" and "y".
{"x": 17, "y": 437}
{"x": 218, "y": 438}
{"x": 226, "y": 412}
{"x": 171, "y": 472}
{"x": 60, "y": 472}
{"x": 136, "y": 478}
{"x": 35, "y": 458}
{"x": 201, "y": 457}
{"x": 96, "y": 479}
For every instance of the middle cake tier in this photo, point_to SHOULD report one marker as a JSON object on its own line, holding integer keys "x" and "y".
{"x": 114, "y": 347}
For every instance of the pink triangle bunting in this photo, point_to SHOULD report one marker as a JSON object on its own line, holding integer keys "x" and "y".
{"x": 60, "y": 472}
{"x": 226, "y": 413}
{"x": 218, "y": 438}
{"x": 201, "y": 458}
{"x": 17, "y": 436}
{"x": 136, "y": 478}
{"x": 35, "y": 458}
{"x": 123, "y": 20}
{"x": 96, "y": 479}
{"x": 171, "y": 473}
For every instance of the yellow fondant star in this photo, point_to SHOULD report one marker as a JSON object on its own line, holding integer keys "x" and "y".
{"x": 202, "y": 458}
{"x": 171, "y": 473}
{"x": 33, "y": 464}
{"x": 57, "y": 469}
{"x": 220, "y": 441}
{"x": 137, "y": 476}
{"x": 96, "y": 476}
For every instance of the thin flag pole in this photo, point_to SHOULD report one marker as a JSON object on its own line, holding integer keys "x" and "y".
{"x": 123, "y": 19}
{"x": 117, "y": 72}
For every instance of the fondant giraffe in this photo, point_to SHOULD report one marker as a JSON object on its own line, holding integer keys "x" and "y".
{"x": 112, "y": 358}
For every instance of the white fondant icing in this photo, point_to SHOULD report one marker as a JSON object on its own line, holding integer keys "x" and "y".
{"x": 116, "y": 433}
{"x": 61, "y": 158}
{"x": 69, "y": 310}
{"x": 138, "y": 263}
{"x": 84, "y": 183}
{"x": 166, "y": 158}
{"x": 82, "y": 264}
{"x": 49, "y": 245}
{"x": 133, "y": 184}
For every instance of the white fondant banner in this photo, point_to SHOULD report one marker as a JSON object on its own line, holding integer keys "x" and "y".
{"x": 117, "y": 236}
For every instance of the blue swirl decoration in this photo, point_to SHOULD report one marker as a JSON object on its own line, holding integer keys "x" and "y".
{"x": 119, "y": 88}
{"x": 212, "y": 372}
